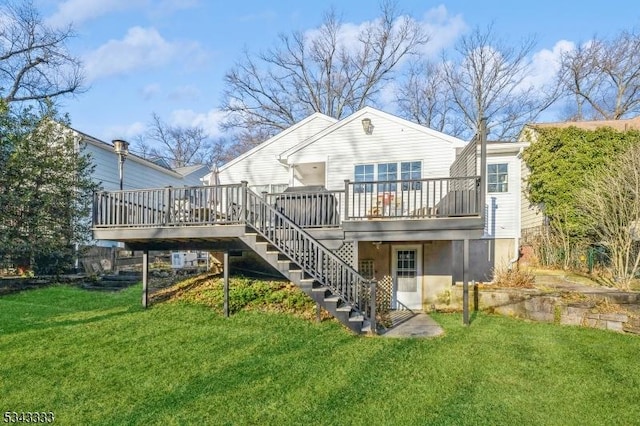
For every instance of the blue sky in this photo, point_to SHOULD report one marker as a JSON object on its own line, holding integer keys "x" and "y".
{"x": 170, "y": 56}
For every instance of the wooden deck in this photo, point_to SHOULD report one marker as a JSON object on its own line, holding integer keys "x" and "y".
{"x": 203, "y": 216}
{"x": 290, "y": 230}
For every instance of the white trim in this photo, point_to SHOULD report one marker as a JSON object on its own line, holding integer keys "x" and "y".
{"x": 358, "y": 115}
{"x": 280, "y": 135}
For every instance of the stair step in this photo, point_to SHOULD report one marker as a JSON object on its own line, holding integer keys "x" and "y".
{"x": 356, "y": 318}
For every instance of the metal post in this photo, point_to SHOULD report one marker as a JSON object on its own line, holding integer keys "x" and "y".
{"x": 318, "y": 315}
{"x": 121, "y": 168}
{"x": 465, "y": 283}
{"x": 145, "y": 278}
{"x": 225, "y": 265}
{"x": 374, "y": 326}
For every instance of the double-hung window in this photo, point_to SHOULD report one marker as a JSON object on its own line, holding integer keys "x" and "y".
{"x": 387, "y": 172}
{"x": 497, "y": 177}
{"x": 363, "y": 173}
{"x": 411, "y": 170}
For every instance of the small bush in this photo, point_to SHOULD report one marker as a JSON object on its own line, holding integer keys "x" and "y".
{"x": 513, "y": 277}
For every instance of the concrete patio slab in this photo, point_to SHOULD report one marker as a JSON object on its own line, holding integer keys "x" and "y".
{"x": 419, "y": 325}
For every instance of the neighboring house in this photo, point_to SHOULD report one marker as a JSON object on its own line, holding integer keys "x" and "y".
{"x": 138, "y": 173}
{"x": 333, "y": 203}
{"x": 532, "y": 216}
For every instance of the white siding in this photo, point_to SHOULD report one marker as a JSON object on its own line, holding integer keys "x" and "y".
{"x": 503, "y": 208}
{"x": 138, "y": 173}
{"x": 262, "y": 166}
{"x": 391, "y": 141}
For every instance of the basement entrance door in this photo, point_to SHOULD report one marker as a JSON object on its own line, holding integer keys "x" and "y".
{"x": 407, "y": 277}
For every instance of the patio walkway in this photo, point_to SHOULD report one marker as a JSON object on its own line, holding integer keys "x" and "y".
{"x": 414, "y": 326}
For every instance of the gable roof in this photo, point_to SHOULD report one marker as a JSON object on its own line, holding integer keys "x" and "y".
{"x": 187, "y": 170}
{"x": 258, "y": 148}
{"x": 359, "y": 115}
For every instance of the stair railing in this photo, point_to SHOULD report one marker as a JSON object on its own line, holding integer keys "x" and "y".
{"x": 313, "y": 257}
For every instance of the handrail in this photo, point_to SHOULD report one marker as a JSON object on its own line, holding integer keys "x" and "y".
{"x": 312, "y": 256}
{"x": 413, "y": 198}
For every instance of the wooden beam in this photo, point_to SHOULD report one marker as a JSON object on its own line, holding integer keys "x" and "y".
{"x": 225, "y": 267}
{"x": 145, "y": 278}
{"x": 465, "y": 282}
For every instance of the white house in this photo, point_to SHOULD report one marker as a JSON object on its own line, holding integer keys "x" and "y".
{"x": 320, "y": 151}
{"x": 138, "y": 172}
{"x": 335, "y": 205}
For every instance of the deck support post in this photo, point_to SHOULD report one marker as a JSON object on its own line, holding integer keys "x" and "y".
{"x": 318, "y": 314}
{"x": 465, "y": 282}
{"x": 372, "y": 314}
{"x": 145, "y": 278}
{"x": 225, "y": 267}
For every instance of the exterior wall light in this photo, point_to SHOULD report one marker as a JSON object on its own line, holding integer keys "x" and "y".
{"x": 367, "y": 126}
{"x": 121, "y": 148}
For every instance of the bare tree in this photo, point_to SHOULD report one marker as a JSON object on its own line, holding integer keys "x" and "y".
{"x": 489, "y": 79}
{"x": 422, "y": 98}
{"x": 603, "y": 77}
{"x": 35, "y": 63}
{"x": 325, "y": 70}
{"x": 179, "y": 146}
{"x": 611, "y": 202}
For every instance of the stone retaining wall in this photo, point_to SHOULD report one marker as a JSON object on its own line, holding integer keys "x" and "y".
{"x": 617, "y": 311}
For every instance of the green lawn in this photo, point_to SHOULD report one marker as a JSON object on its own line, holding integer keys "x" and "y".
{"x": 97, "y": 358}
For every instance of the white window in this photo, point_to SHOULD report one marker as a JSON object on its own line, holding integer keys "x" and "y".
{"x": 411, "y": 170}
{"x": 387, "y": 172}
{"x": 405, "y": 170}
{"x": 497, "y": 177}
{"x": 363, "y": 173}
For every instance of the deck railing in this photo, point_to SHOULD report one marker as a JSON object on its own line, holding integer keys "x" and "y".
{"x": 181, "y": 206}
{"x": 224, "y": 204}
{"x": 413, "y": 199}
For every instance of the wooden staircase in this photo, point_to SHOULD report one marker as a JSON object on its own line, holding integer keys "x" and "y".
{"x": 320, "y": 273}
{"x": 321, "y": 294}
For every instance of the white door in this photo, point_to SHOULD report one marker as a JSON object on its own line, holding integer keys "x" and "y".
{"x": 407, "y": 277}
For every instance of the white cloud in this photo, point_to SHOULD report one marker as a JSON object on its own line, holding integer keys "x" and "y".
{"x": 209, "y": 120}
{"x": 546, "y": 63}
{"x": 141, "y": 48}
{"x": 79, "y": 11}
{"x": 443, "y": 29}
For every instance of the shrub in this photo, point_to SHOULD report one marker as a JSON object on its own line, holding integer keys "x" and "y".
{"x": 513, "y": 277}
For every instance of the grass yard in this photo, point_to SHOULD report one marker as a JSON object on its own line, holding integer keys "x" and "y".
{"x": 97, "y": 358}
